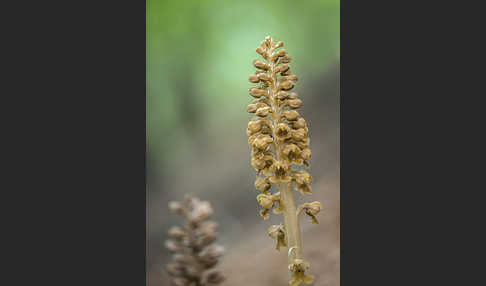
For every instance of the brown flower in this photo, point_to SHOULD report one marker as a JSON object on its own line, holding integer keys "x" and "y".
{"x": 282, "y": 131}
{"x": 262, "y": 184}
{"x": 311, "y": 209}
{"x": 278, "y": 232}
{"x": 303, "y": 181}
{"x": 297, "y": 268}
{"x": 292, "y": 153}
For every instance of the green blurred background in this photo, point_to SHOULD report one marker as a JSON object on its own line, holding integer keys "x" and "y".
{"x": 199, "y": 55}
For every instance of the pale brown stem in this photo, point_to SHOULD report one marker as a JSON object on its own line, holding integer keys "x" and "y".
{"x": 291, "y": 221}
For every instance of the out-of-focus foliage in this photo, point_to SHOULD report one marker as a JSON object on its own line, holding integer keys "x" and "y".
{"x": 199, "y": 56}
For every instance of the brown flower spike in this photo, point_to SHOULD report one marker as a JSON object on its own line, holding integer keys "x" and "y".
{"x": 278, "y": 137}
{"x": 192, "y": 253}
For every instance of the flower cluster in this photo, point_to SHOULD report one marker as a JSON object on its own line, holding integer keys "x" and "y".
{"x": 192, "y": 253}
{"x": 278, "y": 135}
{"x": 279, "y": 141}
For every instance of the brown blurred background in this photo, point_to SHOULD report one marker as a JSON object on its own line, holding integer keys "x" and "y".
{"x": 199, "y": 56}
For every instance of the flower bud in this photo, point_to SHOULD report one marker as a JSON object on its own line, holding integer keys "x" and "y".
{"x": 282, "y": 68}
{"x": 281, "y": 53}
{"x": 293, "y": 95}
{"x": 261, "y": 51}
{"x": 293, "y": 78}
{"x": 263, "y": 111}
{"x": 268, "y": 41}
{"x": 282, "y": 95}
{"x": 286, "y": 85}
{"x": 251, "y": 108}
{"x": 254, "y": 78}
{"x": 290, "y": 115}
{"x": 254, "y": 127}
{"x": 300, "y": 123}
{"x": 257, "y": 92}
{"x": 260, "y": 65}
{"x": 294, "y": 103}
{"x": 264, "y": 77}
{"x": 285, "y": 59}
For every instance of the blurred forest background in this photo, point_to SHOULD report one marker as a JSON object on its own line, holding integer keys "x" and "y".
{"x": 199, "y": 57}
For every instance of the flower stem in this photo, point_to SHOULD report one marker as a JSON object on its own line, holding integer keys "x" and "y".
{"x": 291, "y": 221}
